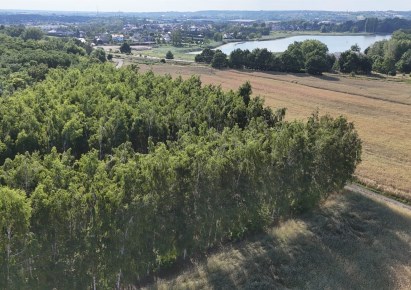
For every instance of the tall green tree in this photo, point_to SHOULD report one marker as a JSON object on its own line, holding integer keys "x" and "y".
{"x": 219, "y": 60}
{"x": 176, "y": 38}
{"x": 14, "y": 224}
{"x": 125, "y": 48}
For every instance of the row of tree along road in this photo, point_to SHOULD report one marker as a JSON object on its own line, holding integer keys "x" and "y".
{"x": 388, "y": 57}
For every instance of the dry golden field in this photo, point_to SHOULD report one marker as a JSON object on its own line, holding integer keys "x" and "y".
{"x": 380, "y": 109}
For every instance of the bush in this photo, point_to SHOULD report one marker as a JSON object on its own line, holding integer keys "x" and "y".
{"x": 99, "y": 54}
{"x": 169, "y": 55}
{"x": 219, "y": 60}
{"x": 125, "y": 48}
{"x": 316, "y": 65}
{"x": 205, "y": 56}
{"x": 32, "y": 33}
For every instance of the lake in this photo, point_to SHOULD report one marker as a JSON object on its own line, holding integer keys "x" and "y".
{"x": 335, "y": 43}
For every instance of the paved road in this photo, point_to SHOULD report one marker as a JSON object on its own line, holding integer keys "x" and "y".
{"x": 361, "y": 190}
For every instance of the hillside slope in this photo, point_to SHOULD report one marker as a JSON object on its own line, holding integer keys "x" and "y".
{"x": 350, "y": 242}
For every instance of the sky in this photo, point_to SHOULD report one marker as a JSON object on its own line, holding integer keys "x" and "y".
{"x": 197, "y": 5}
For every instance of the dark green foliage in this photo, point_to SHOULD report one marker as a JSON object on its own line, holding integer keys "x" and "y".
{"x": 125, "y": 48}
{"x": 293, "y": 59}
{"x": 310, "y": 55}
{"x": 245, "y": 91}
{"x": 169, "y": 55}
{"x": 392, "y": 55}
{"x": 316, "y": 65}
{"x": 260, "y": 59}
{"x": 74, "y": 48}
{"x": 218, "y": 36}
{"x": 354, "y": 62}
{"x": 15, "y": 30}
{"x": 99, "y": 54}
{"x": 404, "y": 64}
{"x": 348, "y": 61}
{"x": 118, "y": 174}
{"x": 14, "y": 224}
{"x": 23, "y": 63}
{"x": 32, "y": 33}
{"x": 355, "y": 48}
{"x": 316, "y": 57}
{"x": 177, "y": 38}
{"x": 219, "y": 60}
{"x": 238, "y": 58}
{"x": 205, "y": 56}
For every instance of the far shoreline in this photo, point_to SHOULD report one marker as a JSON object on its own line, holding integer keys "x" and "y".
{"x": 286, "y": 34}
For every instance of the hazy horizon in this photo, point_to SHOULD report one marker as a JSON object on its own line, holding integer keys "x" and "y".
{"x": 195, "y": 5}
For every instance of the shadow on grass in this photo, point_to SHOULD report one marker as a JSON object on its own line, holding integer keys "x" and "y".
{"x": 219, "y": 279}
{"x": 322, "y": 77}
{"x": 354, "y": 244}
{"x": 351, "y": 242}
{"x": 299, "y": 75}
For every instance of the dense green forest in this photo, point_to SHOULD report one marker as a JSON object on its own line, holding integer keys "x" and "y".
{"x": 26, "y": 56}
{"x": 390, "y": 56}
{"x": 108, "y": 175}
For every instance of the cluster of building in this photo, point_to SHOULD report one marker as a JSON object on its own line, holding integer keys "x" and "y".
{"x": 151, "y": 33}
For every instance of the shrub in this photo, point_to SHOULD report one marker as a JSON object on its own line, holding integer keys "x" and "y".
{"x": 169, "y": 55}
{"x": 125, "y": 48}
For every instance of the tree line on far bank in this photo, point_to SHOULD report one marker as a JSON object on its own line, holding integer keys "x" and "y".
{"x": 312, "y": 56}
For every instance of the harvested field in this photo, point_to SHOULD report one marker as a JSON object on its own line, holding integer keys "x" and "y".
{"x": 380, "y": 109}
{"x": 350, "y": 242}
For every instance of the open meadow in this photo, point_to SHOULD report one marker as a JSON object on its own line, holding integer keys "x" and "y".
{"x": 350, "y": 242}
{"x": 380, "y": 109}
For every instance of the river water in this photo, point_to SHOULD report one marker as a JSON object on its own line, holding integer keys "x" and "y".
{"x": 335, "y": 43}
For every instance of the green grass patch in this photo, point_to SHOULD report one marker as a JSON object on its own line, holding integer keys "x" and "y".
{"x": 181, "y": 53}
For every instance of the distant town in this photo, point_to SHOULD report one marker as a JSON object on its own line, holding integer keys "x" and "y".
{"x": 204, "y": 27}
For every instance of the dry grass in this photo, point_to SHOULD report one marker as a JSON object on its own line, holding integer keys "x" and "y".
{"x": 350, "y": 242}
{"x": 380, "y": 109}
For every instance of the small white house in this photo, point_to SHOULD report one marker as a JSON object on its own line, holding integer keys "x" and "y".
{"x": 117, "y": 38}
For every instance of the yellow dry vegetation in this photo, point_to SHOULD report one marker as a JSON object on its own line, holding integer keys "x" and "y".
{"x": 380, "y": 109}
{"x": 350, "y": 242}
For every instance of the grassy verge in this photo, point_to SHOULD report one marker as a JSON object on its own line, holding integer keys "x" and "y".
{"x": 178, "y": 52}
{"x": 350, "y": 242}
{"x": 405, "y": 199}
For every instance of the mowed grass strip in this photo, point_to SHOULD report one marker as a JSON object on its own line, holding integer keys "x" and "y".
{"x": 380, "y": 109}
{"x": 350, "y": 242}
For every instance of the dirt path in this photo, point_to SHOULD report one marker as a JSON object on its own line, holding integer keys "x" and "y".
{"x": 119, "y": 62}
{"x": 368, "y": 193}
